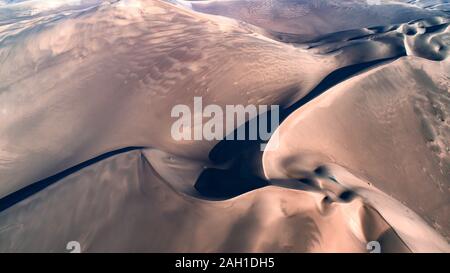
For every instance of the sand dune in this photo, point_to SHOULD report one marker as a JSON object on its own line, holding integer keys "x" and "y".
{"x": 137, "y": 201}
{"x": 94, "y": 89}
{"x": 427, "y": 38}
{"x": 393, "y": 135}
{"x": 86, "y": 151}
{"x": 316, "y": 18}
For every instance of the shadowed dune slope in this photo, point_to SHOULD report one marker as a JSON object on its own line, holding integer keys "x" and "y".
{"x": 107, "y": 78}
{"x": 129, "y": 198}
{"x": 86, "y": 151}
{"x": 389, "y": 127}
{"x": 310, "y": 19}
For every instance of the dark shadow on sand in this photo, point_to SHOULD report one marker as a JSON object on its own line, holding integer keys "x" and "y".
{"x": 20, "y": 195}
{"x": 237, "y": 180}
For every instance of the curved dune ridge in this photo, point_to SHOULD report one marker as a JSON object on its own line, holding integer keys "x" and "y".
{"x": 316, "y": 18}
{"x": 321, "y": 133}
{"x": 362, "y": 152}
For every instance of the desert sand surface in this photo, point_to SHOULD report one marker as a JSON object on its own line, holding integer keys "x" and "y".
{"x": 313, "y": 19}
{"x": 362, "y": 153}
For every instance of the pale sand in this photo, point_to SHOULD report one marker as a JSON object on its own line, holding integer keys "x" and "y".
{"x": 363, "y": 160}
{"x": 383, "y": 126}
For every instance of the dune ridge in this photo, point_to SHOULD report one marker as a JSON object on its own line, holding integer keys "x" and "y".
{"x": 363, "y": 139}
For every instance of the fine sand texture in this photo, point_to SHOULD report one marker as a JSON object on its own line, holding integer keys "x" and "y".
{"x": 362, "y": 152}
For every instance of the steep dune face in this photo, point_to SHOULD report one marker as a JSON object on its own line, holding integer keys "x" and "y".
{"x": 311, "y": 19}
{"x": 86, "y": 151}
{"x": 130, "y": 208}
{"x": 388, "y": 126}
{"x": 102, "y": 79}
{"x": 90, "y": 77}
{"x": 427, "y": 38}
